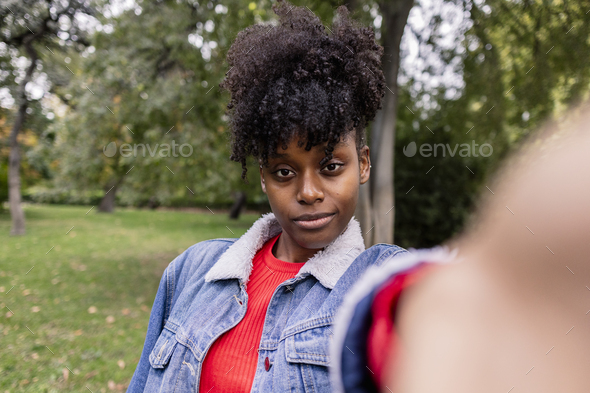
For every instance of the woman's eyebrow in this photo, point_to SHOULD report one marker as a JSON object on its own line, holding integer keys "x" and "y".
{"x": 279, "y": 155}
{"x": 338, "y": 146}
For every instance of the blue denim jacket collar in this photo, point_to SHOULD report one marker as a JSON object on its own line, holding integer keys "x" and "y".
{"x": 327, "y": 266}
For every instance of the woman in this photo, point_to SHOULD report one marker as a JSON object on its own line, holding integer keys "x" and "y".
{"x": 255, "y": 314}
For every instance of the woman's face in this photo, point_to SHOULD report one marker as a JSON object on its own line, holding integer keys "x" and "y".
{"x": 314, "y": 203}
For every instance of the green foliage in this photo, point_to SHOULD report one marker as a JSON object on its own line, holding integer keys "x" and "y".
{"x": 520, "y": 63}
{"x": 436, "y": 190}
{"x": 150, "y": 83}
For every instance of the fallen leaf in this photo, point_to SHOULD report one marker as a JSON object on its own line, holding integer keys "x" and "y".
{"x": 66, "y": 373}
{"x": 91, "y": 374}
{"x": 92, "y": 309}
{"x": 2, "y": 289}
{"x": 110, "y": 319}
{"x": 124, "y": 311}
{"x": 111, "y": 384}
{"x": 27, "y": 292}
{"x": 35, "y": 356}
{"x": 121, "y": 364}
{"x": 78, "y": 332}
{"x": 144, "y": 308}
{"x": 35, "y": 309}
{"x": 8, "y": 314}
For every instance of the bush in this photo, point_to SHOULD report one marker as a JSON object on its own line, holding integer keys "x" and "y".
{"x": 40, "y": 194}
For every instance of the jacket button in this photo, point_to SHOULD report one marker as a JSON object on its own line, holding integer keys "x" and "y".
{"x": 266, "y": 364}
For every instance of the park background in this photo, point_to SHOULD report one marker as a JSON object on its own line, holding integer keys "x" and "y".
{"x": 80, "y": 78}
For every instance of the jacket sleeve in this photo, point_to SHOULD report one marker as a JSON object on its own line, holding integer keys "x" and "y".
{"x": 159, "y": 315}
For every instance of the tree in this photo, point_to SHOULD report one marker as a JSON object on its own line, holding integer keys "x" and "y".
{"x": 375, "y": 209}
{"x": 159, "y": 65}
{"x": 26, "y": 26}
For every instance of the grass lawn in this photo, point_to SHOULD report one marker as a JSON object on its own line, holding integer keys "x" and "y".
{"x": 76, "y": 291}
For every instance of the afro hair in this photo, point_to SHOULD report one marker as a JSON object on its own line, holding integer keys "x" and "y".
{"x": 293, "y": 79}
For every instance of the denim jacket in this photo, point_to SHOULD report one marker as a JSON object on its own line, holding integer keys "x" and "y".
{"x": 202, "y": 294}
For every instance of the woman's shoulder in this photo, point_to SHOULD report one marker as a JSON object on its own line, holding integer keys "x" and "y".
{"x": 197, "y": 259}
{"x": 375, "y": 255}
{"x": 390, "y": 260}
{"x": 206, "y": 248}
{"x": 381, "y": 252}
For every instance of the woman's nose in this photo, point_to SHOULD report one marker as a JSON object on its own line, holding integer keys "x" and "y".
{"x": 310, "y": 189}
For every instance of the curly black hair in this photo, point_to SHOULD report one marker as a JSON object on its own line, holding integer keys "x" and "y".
{"x": 296, "y": 80}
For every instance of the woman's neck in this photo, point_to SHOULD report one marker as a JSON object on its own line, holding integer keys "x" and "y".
{"x": 288, "y": 250}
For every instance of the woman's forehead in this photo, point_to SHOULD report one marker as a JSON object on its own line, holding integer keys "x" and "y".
{"x": 297, "y": 145}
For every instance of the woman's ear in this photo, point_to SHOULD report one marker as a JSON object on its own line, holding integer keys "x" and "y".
{"x": 262, "y": 184}
{"x": 364, "y": 164}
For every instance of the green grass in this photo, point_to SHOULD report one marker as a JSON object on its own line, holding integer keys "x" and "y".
{"x": 86, "y": 295}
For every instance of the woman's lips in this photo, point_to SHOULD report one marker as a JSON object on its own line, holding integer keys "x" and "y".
{"x": 314, "y": 223}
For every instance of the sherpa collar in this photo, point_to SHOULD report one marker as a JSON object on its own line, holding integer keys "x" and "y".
{"x": 327, "y": 265}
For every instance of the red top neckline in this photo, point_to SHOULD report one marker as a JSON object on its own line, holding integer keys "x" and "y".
{"x": 277, "y": 264}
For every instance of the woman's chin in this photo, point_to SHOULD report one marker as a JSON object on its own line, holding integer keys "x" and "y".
{"x": 314, "y": 241}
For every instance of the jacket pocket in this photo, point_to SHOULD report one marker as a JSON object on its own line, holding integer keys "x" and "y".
{"x": 174, "y": 367}
{"x": 311, "y": 346}
{"x": 163, "y": 350}
{"x": 308, "y": 354}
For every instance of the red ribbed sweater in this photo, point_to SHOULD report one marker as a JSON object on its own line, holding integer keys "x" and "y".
{"x": 230, "y": 364}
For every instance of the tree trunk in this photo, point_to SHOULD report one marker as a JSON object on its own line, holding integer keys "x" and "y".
{"x": 395, "y": 16}
{"x": 363, "y": 214}
{"x": 14, "y": 196}
{"x": 236, "y": 209}
{"x": 364, "y": 210}
{"x": 14, "y": 182}
{"x": 107, "y": 203}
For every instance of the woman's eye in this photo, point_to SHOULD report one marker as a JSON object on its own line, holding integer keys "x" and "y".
{"x": 283, "y": 172}
{"x": 332, "y": 167}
